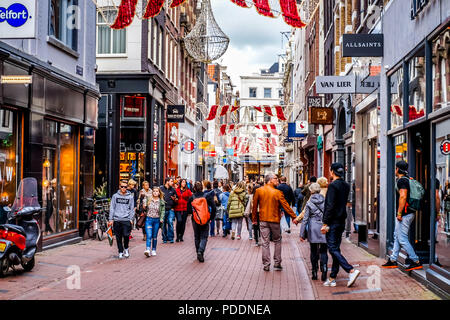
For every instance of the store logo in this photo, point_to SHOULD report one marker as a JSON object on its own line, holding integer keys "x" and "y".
{"x": 16, "y": 15}
{"x": 188, "y": 146}
{"x": 445, "y": 147}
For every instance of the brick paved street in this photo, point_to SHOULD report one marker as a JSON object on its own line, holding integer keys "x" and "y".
{"x": 232, "y": 270}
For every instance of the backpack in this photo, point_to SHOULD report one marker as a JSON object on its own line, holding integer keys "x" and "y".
{"x": 416, "y": 193}
{"x": 200, "y": 211}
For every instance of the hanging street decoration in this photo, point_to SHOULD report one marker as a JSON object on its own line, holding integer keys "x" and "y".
{"x": 206, "y": 42}
{"x": 213, "y": 112}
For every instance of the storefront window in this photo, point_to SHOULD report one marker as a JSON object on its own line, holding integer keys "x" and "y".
{"x": 441, "y": 71}
{"x": 8, "y": 156}
{"x": 59, "y": 177}
{"x": 155, "y": 146}
{"x": 416, "y": 89}
{"x": 133, "y": 138}
{"x": 401, "y": 148}
{"x": 442, "y": 197}
{"x": 396, "y": 98}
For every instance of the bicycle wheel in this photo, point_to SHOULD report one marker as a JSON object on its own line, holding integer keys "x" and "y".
{"x": 90, "y": 230}
{"x": 102, "y": 227}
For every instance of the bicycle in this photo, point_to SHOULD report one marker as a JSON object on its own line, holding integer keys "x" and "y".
{"x": 86, "y": 218}
{"x": 101, "y": 213}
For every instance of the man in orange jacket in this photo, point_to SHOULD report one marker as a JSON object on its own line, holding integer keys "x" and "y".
{"x": 270, "y": 200}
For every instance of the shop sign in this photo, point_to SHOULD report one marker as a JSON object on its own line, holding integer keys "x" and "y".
{"x": 16, "y": 79}
{"x": 321, "y": 115}
{"x": 315, "y": 101}
{"x": 445, "y": 147}
{"x": 204, "y": 144}
{"x": 362, "y": 45}
{"x": 188, "y": 146}
{"x": 335, "y": 84}
{"x": 368, "y": 85}
{"x": 298, "y": 129}
{"x": 175, "y": 113}
{"x": 133, "y": 107}
{"x": 17, "y": 19}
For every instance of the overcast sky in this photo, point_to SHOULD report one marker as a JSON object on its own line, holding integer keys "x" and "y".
{"x": 255, "y": 40}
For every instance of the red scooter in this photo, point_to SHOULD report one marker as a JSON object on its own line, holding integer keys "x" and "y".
{"x": 19, "y": 237}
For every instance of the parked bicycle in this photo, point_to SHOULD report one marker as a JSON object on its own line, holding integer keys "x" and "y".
{"x": 94, "y": 218}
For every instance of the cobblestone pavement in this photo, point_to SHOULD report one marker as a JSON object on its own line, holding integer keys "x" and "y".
{"x": 232, "y": 271}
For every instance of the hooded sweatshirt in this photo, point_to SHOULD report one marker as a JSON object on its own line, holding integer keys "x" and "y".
{"x": 314, "y": 210}
{"x": 122, "y": 207}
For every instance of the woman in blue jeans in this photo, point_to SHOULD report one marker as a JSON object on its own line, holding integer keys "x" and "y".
{"x": 156, "y": 208}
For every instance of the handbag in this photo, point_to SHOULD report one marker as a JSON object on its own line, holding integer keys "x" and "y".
{"x": 141, "y": 221}
{"x": 219, "y": 213}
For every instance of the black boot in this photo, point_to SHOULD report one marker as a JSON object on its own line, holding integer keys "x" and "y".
{"x": 314, "y": 274}
{"x": 324, "y": 269}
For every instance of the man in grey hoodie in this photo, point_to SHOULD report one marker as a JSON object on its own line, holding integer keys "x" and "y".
{"x": 121, "y": 214}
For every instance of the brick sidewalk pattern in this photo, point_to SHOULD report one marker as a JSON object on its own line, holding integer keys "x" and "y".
{"x": 232, "y": 271}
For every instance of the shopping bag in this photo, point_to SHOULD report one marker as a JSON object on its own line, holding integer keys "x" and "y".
{"x": 283, "y": 224}
{"x": 109, "y": 233}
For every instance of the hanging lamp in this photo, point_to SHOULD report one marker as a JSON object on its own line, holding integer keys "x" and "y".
{"x": 206, "y": 42}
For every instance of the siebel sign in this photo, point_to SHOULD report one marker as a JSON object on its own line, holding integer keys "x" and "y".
{"x": 362, "y": 45}
{"x": 17, "y": 19}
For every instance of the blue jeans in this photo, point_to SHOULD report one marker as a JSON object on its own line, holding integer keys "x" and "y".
{"x": 334, "y": 238}
{"x": 212, "y": 228}
{"x": 226, "y": 222}
{"x": 151, "y": 229}
{"x": 401, "y": 238}
{"x": 167, "y": 230}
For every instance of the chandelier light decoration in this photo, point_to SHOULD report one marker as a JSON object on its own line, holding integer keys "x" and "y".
{"x": 206, "y": 42}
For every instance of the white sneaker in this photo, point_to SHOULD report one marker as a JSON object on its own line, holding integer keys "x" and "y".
{"x": 120, "y": 255}
{"x": 352, "y": 277}
{"x": 250, "y": 238}
{"x": 147, "y": 253}
{"x": 126, "y": 253}
{"x": 153, "y": 252}
{"x": 330, "y": 283}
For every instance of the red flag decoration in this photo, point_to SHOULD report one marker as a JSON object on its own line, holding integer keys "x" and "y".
{"x": 234, "y": 108}
{"x": 263, "y": 8}
{"x": 212, "y": 112}
{"x": 222, "y": 129}
{"x": 234, "y": 141}
{"x": 176, "y": 3}
{"x": 231, "y": 128}
{"x": 257, "y": 126}
{"x": 125, "y": 15}
{"x": 268, "y": 110}
{"x": 236, "y": 147}
{"x": 274, "y": 142}
{"x": 274, "y": 129}
{"x": 240, "y": 3}
{"x": 290, "y": 13}
{"x": 153, "y": 8}
{"x": 280, "y": 113}
{"x": 265, "y": 128}
{"x": 224, "y": 110}
{"x": 258, "y": 108}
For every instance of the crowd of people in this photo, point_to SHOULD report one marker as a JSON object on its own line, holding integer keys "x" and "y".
{"x": 219, "y": 208}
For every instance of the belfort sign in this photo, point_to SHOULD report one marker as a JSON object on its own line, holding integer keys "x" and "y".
{"x": 17, "y": 19}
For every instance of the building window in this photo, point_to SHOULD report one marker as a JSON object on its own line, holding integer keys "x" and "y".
{"x": 441, "y": 71}
{"x": 266, "y": 118}
{"x": 396, "y": 98}
{"x": 416, "y": 88}
{"x": 160, "y": 47}
{"x": 252, "y": 92}
{"x": 109, "y": 41}
{"x": 62, "y": 15}
{"x": 268, "y": 93}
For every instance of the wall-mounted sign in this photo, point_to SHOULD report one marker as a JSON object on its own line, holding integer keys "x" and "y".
{"x": 320, "y": 115}
{"x": 445, "y": 147}
{"x": 188, "y": 146}
{"x": 204, "y": 144}
{"x": 16, "y": 79}
{"x": 297, "y": 130}
{"x": 17, "y": 19}
{"x": 346, "y": 84}
{"x": 315, "y": 101}
{"x": 362, "y": 45}
{"x": 175, "y": 113}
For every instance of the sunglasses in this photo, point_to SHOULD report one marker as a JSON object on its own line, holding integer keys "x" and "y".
{"x": 123, "y": 187}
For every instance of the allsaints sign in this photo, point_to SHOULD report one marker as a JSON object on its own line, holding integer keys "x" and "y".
{"x": 346, "y": 84}
{"x": 362, "y": 45}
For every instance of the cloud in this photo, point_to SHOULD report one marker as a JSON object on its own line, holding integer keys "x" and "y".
{"x": 255, "y": 41}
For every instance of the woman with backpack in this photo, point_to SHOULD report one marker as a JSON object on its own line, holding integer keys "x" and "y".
{"x": 156, "y": 208}
{"x": 183, "y": 195}
{"x": 224, "y": 196}
{"x": 141, "y": 206}
{"x": 236, "y": 208}
{"x": 203, "y": 211}
{"x": 311, "y": 225}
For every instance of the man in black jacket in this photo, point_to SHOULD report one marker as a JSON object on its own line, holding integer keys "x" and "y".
{"x": 334, "y": 224}
{"x": 201, "y": 231}
{"x": 289, "y": 196}
{"x": 170, "y": 197}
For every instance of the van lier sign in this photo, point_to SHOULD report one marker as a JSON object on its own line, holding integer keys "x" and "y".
{"x": 362, "y": 45}
{"x": 346, "y": 84}
{"x": 17, "y": 19}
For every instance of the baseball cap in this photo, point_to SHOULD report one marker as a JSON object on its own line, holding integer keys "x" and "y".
{"x": 402, "y": 166}
{"x": 338, "y": 169}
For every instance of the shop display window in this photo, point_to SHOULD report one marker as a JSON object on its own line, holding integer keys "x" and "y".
{"x": 441, "y": 71}
{"x": 442, "y": 196}
{"x": 416, "y": 88}
{"x": 396, "y": 98}
{"x": 59, "y": 177}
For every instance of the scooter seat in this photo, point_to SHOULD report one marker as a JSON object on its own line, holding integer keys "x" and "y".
{"x": 14, "y": 228}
